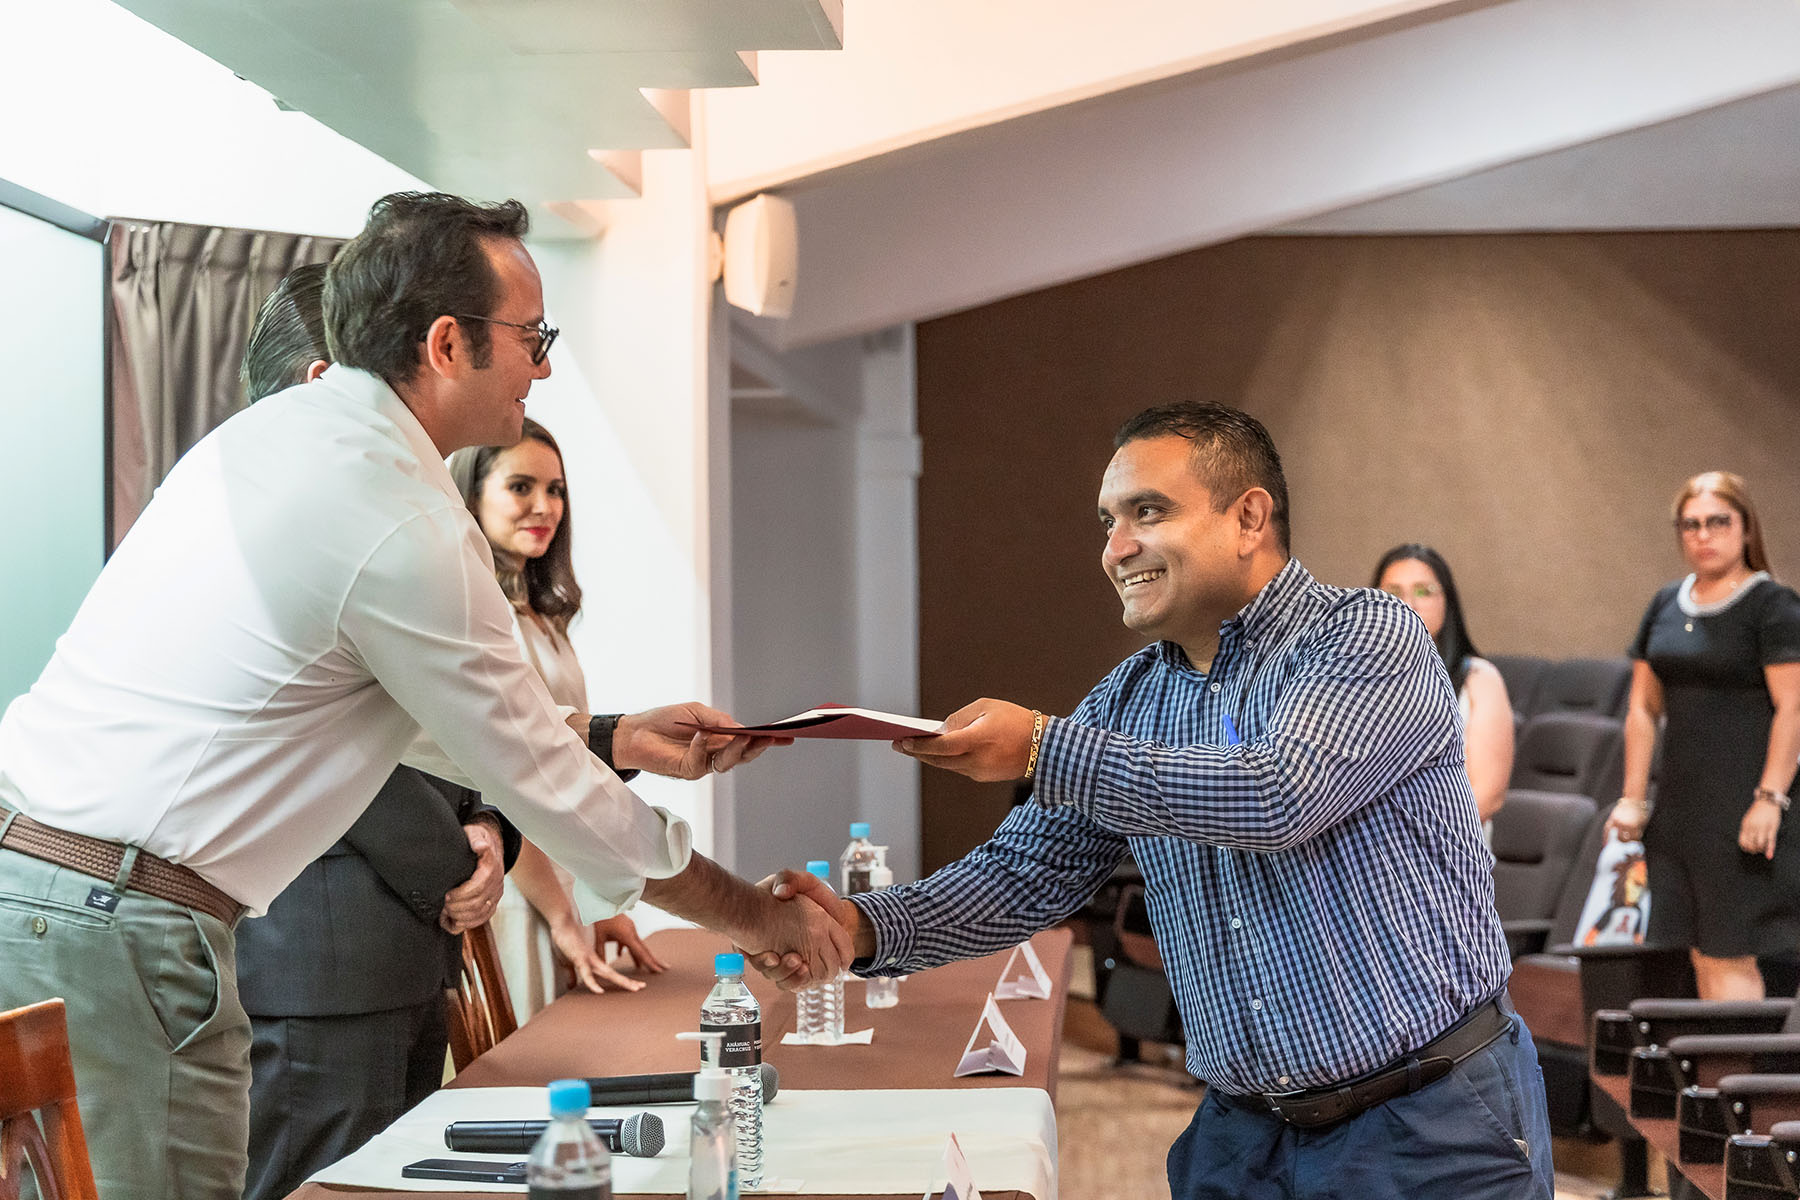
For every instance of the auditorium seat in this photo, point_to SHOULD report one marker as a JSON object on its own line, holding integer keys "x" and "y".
{"x": 1521, "y": 673}
{"x": 1538, "y": 838}
{"x": 1571, "y": 752}
{"x": 1588, "y": 685}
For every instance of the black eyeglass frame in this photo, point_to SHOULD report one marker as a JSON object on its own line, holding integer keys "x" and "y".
{"x": 546, "y": 332}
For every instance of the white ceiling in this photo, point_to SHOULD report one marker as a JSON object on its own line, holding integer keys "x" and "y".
{"x": 1736, "y": 166}
{"x": 1409, "y": 115}
{"x": 499, "y": 98}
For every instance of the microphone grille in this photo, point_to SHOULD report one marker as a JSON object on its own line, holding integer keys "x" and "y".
{"x": 641, "y": 1135}
{"x": 771, "y": 1081}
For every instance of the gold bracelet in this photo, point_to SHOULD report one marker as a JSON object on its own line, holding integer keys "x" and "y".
{"x": 1037, "y": 740}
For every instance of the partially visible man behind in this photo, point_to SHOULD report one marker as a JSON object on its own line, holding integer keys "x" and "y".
{"x": 304, "y": 594}
{"x": 1286, "y": 764}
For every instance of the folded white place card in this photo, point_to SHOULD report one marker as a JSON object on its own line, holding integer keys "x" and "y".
{"x": 1035, "y": 985}
{"x": 959, "y": 1180}
{"x": 1004, "y": 1052}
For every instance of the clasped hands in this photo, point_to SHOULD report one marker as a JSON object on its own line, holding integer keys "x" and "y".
{"x": 834, "y": 929}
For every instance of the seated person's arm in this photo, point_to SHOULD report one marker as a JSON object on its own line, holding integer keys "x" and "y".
{"x": 1488, "y": 738}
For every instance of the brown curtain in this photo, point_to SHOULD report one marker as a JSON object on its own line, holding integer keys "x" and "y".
{"x": 183, "y": 299}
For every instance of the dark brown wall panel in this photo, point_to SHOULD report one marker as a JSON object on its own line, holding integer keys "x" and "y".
{"x": 1527, "y": 403}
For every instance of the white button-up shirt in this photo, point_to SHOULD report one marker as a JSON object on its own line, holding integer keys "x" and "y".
{"x": 304, "y": 594}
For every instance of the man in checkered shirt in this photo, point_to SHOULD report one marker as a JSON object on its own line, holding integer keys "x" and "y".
{"x": 1285, "y": 762}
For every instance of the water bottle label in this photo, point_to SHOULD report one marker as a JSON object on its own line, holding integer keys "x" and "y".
{"x": 742, "y": 1046}
{"x": 857, "y": 881}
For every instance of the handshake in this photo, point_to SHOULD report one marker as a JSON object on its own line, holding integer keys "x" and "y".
{"x": 805, "y": 932}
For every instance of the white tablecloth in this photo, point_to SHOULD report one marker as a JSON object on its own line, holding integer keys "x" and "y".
{"x": 863, "y": 1142}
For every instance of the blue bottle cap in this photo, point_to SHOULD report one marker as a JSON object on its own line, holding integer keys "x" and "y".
{"x": 728, "y": 964}
{"x": 821, "y": 868}
{"x": 859, "y": 829}
{"x": 569, "y": 1097}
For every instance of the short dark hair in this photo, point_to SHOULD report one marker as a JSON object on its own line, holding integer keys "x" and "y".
{"x": 289, "y": 334}
{"x": 421, "y": 256}
{"x": 550, "y": 587}
{"x": 1454, "y": 645}
{"x": 1232, "y": 451}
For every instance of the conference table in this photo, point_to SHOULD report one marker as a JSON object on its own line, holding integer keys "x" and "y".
{"x": 917, "y": 1043}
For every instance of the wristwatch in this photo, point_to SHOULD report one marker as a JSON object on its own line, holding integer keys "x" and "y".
{"x": 1780, "y": 800}
{"x": 600, "y": 741}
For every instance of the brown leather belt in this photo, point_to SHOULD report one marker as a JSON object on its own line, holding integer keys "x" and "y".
{"x": 100, "y": 858}
{"x": 1327, "y": 1106}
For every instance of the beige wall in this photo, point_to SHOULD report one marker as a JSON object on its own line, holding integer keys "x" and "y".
{"x": 1526, "y": 403}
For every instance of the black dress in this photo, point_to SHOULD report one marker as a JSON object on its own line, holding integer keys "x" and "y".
{"x": 1704, "y": 891}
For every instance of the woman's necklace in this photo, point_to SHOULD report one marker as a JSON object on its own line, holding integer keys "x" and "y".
{"x": 1726, "y": 590}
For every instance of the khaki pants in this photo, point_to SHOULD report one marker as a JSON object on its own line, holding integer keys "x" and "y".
{"x": 160, "y": 1043}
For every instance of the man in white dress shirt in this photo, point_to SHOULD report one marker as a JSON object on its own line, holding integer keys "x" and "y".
{"x": 304, "y": 595}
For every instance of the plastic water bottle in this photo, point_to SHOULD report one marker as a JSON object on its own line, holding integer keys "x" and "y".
{"x": 712, "y": 1135}
{"x": 569, "y": 1162}
{"x": 731, "y": 1010}
{"x": 881, "y": 991}
{"x": 859, "y": 857}
{"x": 821, "y": 1005}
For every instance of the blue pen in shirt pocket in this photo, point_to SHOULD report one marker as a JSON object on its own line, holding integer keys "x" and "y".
{"x": 1231, "y": 733}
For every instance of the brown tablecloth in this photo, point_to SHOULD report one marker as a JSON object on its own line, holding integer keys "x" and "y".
{"x": 917, "y": 1042}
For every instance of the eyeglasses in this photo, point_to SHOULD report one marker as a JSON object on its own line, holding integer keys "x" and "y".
{"x": 1712, "y": 523}
{"x": 546, "y": 333}
{"x": 1418, "y": 591}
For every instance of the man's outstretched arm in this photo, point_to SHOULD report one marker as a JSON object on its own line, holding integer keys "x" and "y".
{"x": 810, "y": 944}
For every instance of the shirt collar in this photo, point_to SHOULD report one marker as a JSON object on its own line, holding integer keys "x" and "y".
{"x": 371, "y": 391}
{"x": 1270, "y": 608}
{"x": 1267, "y": 609}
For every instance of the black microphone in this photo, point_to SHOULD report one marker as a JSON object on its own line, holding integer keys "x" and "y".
{"x": 670, "y": 1087}
{"x": 639, "y": 1135}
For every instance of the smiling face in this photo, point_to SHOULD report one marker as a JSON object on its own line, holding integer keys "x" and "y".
{"x": 1418, "y": 585}
{"x": 1177, "y": 565}
{"x": 1712, "y": 535}
{"x": 491, "y": 396}
{"x": 522, "y": 500}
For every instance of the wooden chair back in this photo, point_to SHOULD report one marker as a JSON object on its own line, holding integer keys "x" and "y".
{"x": 37, "y": 1085}
{"x": 480, "y": 1011}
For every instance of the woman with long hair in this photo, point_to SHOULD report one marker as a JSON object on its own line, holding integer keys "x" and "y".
{"x": 1717, "y": 658}
{"x": 520, "y": 498}
{"x": 1419, "y": 575}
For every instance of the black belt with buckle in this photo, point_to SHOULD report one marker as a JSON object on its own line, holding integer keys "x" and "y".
{"x": 1321, "y": 1107}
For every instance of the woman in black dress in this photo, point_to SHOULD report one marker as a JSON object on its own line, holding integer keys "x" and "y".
{"x": 1718, "y": 655}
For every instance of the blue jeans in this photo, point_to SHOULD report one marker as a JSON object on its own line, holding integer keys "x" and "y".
{"x": 1456, "y": 1139}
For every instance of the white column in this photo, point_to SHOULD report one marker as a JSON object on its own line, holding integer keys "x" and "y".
{"x": 887, "y": 586}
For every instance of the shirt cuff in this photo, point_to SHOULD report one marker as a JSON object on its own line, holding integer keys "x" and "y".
{"x": 1068, "y": 770}
{"x": 895, "y": 932}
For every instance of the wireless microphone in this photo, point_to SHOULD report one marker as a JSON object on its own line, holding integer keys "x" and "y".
{"x": 639, "y": 1135}
{"x": 670, "y": 1087}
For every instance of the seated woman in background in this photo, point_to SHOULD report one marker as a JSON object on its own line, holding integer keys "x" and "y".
{"x": 1419, "y": 575}
{"x": 1718, "y": 656}
{"x": 520, "y": 499}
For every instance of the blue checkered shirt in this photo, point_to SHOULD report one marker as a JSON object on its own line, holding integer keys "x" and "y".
{"x": 1320, "y": 892}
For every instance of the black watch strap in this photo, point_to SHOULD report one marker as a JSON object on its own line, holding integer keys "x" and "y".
{"x": 600, "y": 740}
